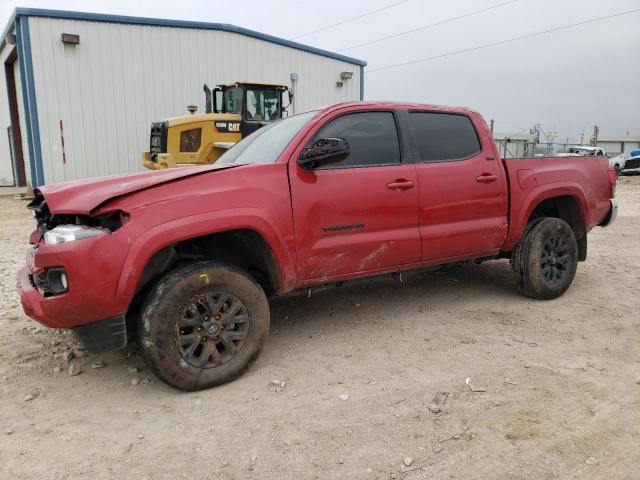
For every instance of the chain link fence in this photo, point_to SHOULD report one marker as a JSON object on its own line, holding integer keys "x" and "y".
{"x": 520, "y": 148}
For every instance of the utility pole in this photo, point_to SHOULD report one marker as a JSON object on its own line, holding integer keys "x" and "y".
{"x": 536, "y": 139}
{"x": 551, "y": 136}
{"x": 594, "y": 137}
{"x": 491, "y": 125}
{"x": 536, "y": 130}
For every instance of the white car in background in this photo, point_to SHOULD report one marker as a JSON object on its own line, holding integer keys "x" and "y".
{"x": 582, "y": 151}
{"x": 632, "y": 166}
{"x": 616, "y": 162}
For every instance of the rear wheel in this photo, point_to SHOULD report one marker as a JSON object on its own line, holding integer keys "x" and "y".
{"x": 203, "y": 324}
{"x": 546, "y": 259}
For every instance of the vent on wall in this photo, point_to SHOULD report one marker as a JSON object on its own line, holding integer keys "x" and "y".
{"x": 70, "y": 39}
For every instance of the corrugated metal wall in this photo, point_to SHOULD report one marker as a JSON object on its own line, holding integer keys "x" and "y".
{"x": 109, "y": 88}
{"x": 613, "y": 148}
{"x": 616, "y": 147}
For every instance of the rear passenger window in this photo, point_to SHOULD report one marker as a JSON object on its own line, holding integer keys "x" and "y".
{"x": 442, "y": 136}
{"x": 372, "y": 138}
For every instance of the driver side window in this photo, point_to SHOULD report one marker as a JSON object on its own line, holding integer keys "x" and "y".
{"x": 372, "y": 138}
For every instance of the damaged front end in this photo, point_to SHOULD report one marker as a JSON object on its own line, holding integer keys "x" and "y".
{"x": 71, "y": 270}
{"x": 54, "y": 229}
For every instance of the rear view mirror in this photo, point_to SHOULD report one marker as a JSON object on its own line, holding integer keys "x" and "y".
{"x": 324, "y": 151}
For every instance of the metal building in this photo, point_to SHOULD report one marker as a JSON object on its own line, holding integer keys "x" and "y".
{"x": 80, "y": 90}
{"x": 615, "y": 146}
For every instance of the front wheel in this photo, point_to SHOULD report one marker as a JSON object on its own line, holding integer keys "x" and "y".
{"x": 203, "y": 324}
{"x": 546, "y": 259}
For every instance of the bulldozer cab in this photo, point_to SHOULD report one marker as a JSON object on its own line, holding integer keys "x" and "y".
{"x": 232, "y": 112}
{"x": 256, "y": 103}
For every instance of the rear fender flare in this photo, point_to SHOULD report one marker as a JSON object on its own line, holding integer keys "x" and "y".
{"x": 518, "y": 222}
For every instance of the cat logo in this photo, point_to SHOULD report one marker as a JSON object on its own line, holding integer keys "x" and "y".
{"x": 227, "y": 127}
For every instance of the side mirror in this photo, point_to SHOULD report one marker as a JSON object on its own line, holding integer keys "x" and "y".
{"x": 284, "y": 107}
{"x": 324, "y": 151}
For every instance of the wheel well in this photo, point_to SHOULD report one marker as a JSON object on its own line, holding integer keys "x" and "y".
{"x": 243, "y": 248}
{"x": 568, "y": 209}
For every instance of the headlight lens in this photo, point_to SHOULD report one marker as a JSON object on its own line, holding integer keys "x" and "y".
{"x": 70, "y": 233}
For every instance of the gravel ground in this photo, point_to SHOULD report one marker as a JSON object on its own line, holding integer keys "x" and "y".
{"x": 374, "y": 382}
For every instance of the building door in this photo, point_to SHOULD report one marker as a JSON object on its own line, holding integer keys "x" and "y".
{"x": 14, "y": 131}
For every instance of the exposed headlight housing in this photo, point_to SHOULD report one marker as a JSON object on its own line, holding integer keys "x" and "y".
{"x": 70, "y": 233}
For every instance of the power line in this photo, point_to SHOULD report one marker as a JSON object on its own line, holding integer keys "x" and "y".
{"x": 431, "y": 25}
{"x": 502, "y": 42}
{"x": 366, "y": 14}
{"x": 284, "y": 7}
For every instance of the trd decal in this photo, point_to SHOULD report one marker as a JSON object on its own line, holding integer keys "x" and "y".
{"x": 335, "y": 228}
{"x": 227, "y": 127}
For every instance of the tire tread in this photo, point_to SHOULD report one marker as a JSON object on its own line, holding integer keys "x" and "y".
{"x": 152, "y": 312}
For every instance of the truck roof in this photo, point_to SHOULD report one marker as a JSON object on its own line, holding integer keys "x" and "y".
{"x": 400, "y": 105}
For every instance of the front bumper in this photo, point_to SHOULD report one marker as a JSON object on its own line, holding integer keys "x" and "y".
{"x": 96, "y": 337}
{"x": 612, "y": 214}
{"x": 631, "y": 166}
{"x": 86, "y": 308}
{"x": 93, "y": 268}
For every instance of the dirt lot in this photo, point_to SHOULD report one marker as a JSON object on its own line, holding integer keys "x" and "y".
{"x": 562, "y": 381}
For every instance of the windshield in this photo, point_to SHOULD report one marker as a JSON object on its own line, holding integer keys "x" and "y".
{"x": 266, "y": 145}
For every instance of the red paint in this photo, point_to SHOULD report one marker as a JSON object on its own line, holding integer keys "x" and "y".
{"x": 64, "y": 156}
{"x": 399, "y": 217}
{"x": 463, "y": 204}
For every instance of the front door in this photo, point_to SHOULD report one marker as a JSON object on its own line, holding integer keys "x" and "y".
{"x": 359, "y": 215}
{"x": 463, "y": 188}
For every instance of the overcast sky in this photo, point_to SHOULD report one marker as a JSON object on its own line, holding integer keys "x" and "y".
{"x": 567, "y": 80}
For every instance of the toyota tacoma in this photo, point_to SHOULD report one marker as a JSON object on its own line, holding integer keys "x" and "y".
{"x": 190, "y": 256}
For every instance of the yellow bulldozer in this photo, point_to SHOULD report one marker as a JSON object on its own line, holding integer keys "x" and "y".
{"x": 232, "y": 112}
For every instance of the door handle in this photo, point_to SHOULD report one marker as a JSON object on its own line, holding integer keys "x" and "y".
{"x": 486, "y": 178}
{"x": 401, "y": 185}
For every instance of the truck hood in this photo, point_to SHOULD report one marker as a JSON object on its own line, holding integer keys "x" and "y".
{"x": 83, "y": 196}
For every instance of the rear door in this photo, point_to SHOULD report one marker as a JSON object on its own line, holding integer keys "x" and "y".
{"x": 361, "y": 214}
{"x": 463, "y": 189}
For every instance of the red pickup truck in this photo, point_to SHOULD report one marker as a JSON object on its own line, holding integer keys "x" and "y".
{"x": 190, "y": 255}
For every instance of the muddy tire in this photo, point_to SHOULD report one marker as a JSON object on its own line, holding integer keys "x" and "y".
{"x": 203, "y": 324}
{"x": 545, "y": 260}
